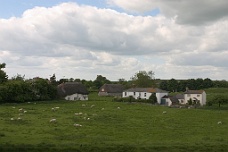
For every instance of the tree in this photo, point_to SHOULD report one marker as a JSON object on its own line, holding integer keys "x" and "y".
{"x": 100, "y": 80}
{"x": 164, "y": 85}
{"x": 143, "y": 79}
{"x": 207, "y": 83}
{"x": 173, "y": 85}
{"x": 220, "y": 99}
{"x": 3, "y": 76}
{"x": 18, "y": 77}
{"x": 153, "y": 98}
{"x": 53, "y": 79}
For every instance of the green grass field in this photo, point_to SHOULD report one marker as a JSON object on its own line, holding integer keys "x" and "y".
{"x": 105, "y": 127}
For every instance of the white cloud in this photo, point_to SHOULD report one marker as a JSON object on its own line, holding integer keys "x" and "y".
{"x": 82, "y": 41}
{"x": 186, "y": 11}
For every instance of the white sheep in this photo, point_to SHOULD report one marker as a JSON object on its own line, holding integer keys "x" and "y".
{"x": 53, "y": 109}
{"x": 53, "y": 120}
{"x": 164, "y": 112}
{"x": 83, "y": 105}
{"x": 88, "y": 118}
{"x": 19, "y": 118}
{"x": 118, "y": 107}
{"x": 13, "y": 107}
{"x": 25, "y": 111}
{"x": 77, "y": 125}
{"x": 76, "y": 114}
{"x": 20, "y": 110}
{"x": 56, "y": 107}
{"x": 11, "y": 118}
{"x": 102, "y": 108}
{"x": 92, "y": 106}
{"x": 219, "y": 122}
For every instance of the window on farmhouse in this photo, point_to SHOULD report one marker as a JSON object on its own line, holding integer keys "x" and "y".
{"x": 125, "y": 93}
{"x": 134, "y": 93}
{"x": 198, "y": 95}
{"x": 144, "y": 94}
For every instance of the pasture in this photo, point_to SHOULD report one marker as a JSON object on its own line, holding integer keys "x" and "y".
{"x": 104, "y": 125}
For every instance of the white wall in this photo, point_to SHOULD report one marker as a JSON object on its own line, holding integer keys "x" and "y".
{"x": 77, "y": 97}
{"x": 137, "y": 95}
{"x": 159, "y": 96}
{"x": 200, "y": 97}
{"x": 144, "y": 95}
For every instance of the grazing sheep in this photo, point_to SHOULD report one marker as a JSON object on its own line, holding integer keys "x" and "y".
{"x": 220, "y": 122}
{"x": 53, "y": 120}
{"x": 53, "y": 109}
{"x": 77, "y": 125}
{"x": 164, "y": 112}
{"x": 56, "y": 107}
{"x": 92, "y": 106}
{"x": 118, "y": 107}
{"x": 20, "y": 110}
{"x": 88, "y": 118}
{"x": 11, "y": 118}
{"x": 19, "y": 118}
{"x": 25, "y": 111}
{"x": 13, "y": 107}
{"x": 83, "y": 105}
{"x": 102, "y": 108}
{"x": 77, "y": 114}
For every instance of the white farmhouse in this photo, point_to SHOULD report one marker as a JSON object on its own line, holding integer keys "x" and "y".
{"x": 144, "y": 93}
{"x": 72, "y": 91}
{"x": 195, "y": 96}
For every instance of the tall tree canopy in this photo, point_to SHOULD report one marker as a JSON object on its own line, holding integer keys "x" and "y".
{"x": 143, "y": 79}
{"x": 3, "y": 76}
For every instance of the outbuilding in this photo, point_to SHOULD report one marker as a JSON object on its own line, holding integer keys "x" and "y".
{"x": 72, "y": 91}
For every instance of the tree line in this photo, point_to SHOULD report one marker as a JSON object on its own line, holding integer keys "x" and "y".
{"x": 19, "y": 89}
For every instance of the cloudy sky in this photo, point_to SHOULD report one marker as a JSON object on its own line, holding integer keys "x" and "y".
{"x": 178, "y": 39}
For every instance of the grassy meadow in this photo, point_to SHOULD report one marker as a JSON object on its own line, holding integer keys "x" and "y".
{"x": 110, "y": 126}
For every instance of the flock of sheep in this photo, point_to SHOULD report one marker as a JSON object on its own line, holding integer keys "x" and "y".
{"x": 54, "y": 120}
{"x": 78, "y": 114}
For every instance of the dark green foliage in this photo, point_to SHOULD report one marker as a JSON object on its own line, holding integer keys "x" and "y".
{"x": 3, "y": 76}
{"x": 143, "y": 79}
{"x": 100, "y": 81}
{"x": 190, "y": 101}
{"x": 153, "y": 99}
{"x": 219, "y": 99}
{"x": 18, "y": 91}
{"x": 173, "y": 85}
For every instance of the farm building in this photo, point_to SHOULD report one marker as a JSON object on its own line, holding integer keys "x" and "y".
{"x": 144, "y": 93}
{"x": 195, "y": 95}
{"x": 111, "y": 90}
{"x": 72, "y": 91}
{"x": 169, "y": 100}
